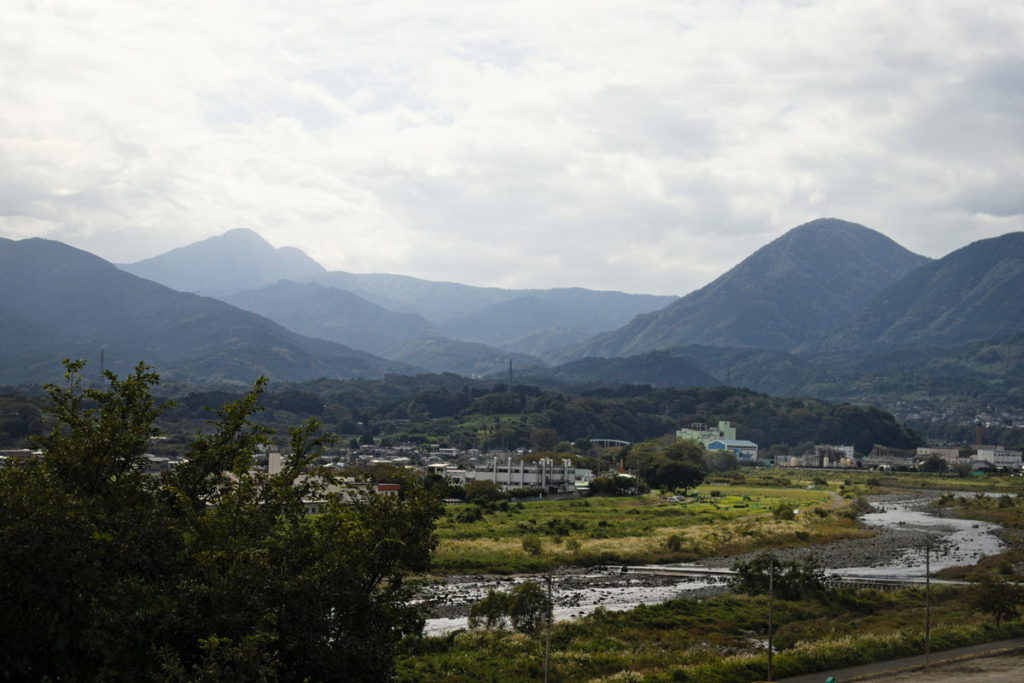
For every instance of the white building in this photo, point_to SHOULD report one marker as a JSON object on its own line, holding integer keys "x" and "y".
{"x": 516, "y": 474}
{"x": 999, "y": 456}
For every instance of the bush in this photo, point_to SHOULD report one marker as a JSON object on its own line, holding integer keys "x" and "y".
{"x": 783, "y": 512}
{"x": 532, "y": 544}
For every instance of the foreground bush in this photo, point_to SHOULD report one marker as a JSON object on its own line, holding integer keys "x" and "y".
{"x": 211, "y": 571}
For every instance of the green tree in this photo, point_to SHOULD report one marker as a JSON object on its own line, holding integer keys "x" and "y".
{"x": 934, "y": 464}
{"x": 794, "y": 580}
{"x": 998, "y": 598}
{"x": 483, "y": 491}
{"x": 490, "y": 613}
{"x": 526, "y": 608}
{"x": 210, "y": 571}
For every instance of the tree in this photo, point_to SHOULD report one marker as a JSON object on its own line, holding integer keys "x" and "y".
{"x": 678, "y": 475}
{"x": 526, "y": 607}
{"x": 961, "y": 469}
{"x": 544, "y": 439}
{"x": 490, "y": 613}
{"x": 997, "y": 597}
{"x": 934, "y": 464}
{"x": 211, "y": 570}
{"x": 483, "y": 491}
{"x": 722, "y": 461}
{"x": 680, "y": 465}
{"x": 793, "y": 580}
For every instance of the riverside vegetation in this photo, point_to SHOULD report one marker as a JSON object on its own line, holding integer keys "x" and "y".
{"x": 721, "y": 639}
{"x": 719, "y": 519}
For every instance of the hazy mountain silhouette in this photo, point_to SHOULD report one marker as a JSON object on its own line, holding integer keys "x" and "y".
{"x": 333, "y": 314}
{"x": 231, "y": 265}
{"x": 657, "y": 368}
{"x": 440, "y": 354}
{"x": 237, "y": 260}
{"x": 60, "y": 302}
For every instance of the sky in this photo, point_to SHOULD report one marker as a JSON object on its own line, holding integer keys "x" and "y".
{"x": 639, "y": 146}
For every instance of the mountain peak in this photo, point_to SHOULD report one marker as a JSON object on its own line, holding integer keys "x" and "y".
{"x": 786, "y": 292}
{"x": 236, "y": 260}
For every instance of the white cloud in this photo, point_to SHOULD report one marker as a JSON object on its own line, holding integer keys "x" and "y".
{"x": 644, "y": 146}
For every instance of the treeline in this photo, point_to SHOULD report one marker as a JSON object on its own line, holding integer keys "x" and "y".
{"x": 463, "y": 413}
{"x": 468, "y": 413}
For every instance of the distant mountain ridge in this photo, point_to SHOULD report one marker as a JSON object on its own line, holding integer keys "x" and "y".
{"x": 60, "y": 302}
{"x": 231, "y": 266}
{"x": 972, "y": 294}
{"x": 791, "y": 289}
{"x": 336, "y": 315}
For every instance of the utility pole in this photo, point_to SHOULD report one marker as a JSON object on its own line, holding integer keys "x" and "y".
{"x": 927, "y": 600}
{"x": 547, "y": 639}
{"x": 771, "y": 596}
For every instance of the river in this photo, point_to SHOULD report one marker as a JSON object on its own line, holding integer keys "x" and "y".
{"x": 904, "y": 524}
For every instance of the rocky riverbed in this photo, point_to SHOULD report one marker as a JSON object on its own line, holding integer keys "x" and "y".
{"x": 903, "y": 529}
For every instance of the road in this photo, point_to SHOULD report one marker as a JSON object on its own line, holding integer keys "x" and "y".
{"x": 944, "y": 666}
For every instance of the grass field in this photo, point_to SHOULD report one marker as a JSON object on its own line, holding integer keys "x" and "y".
{"x": 718, "y": 639}
{"x": 720, "y": 519}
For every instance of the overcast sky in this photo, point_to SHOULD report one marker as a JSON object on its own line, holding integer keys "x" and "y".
{"x": 641, "y": 146}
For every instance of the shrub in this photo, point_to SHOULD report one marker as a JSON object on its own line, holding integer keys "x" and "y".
{"x": 783, "y": 512}
{"x": 532, "y": 544}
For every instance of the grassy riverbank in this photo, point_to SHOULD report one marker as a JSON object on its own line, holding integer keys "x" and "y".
{"x": 719, "y": 639}
{"x": 720, "y": 519}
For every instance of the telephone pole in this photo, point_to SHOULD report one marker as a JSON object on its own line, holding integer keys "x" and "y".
{"x": 927, "y": 600}
{"x": 547, "y": 639}
{"x": 771, "y": 596}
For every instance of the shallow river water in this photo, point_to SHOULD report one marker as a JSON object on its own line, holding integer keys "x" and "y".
{"x": 898, "y": 551}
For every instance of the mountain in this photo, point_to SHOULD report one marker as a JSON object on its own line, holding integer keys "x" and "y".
{"x": 439, "y": 354}
{"x": 60, "y": 302}
{"x": 657, "y": 368}
{"x": 584, "y": 310}
{"x": 974, "y": 293}
{"x": 791, "y": 289}
{"x": 332, "y": 314}
{"x": 547, "y": 343}
{"x": 237, "y": 260}
{"x": 435, "y": 301}
{"x": 240, "y": 260}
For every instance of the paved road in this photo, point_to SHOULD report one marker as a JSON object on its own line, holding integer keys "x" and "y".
{"x": 868, "y": 671}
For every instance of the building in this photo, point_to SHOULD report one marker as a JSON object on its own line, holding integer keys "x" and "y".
{"x": 745, "y": 451}
{"x": 509, "y": 473}
{"x": 705, "y": 434}
{"x": 950, "y": 455}
{"x": 826, "y": 455}
{"x": 999, "y": 457}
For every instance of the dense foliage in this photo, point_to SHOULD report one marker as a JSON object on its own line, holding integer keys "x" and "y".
{"x": 452, "y": 410}
{"x": 211, "y": 571}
